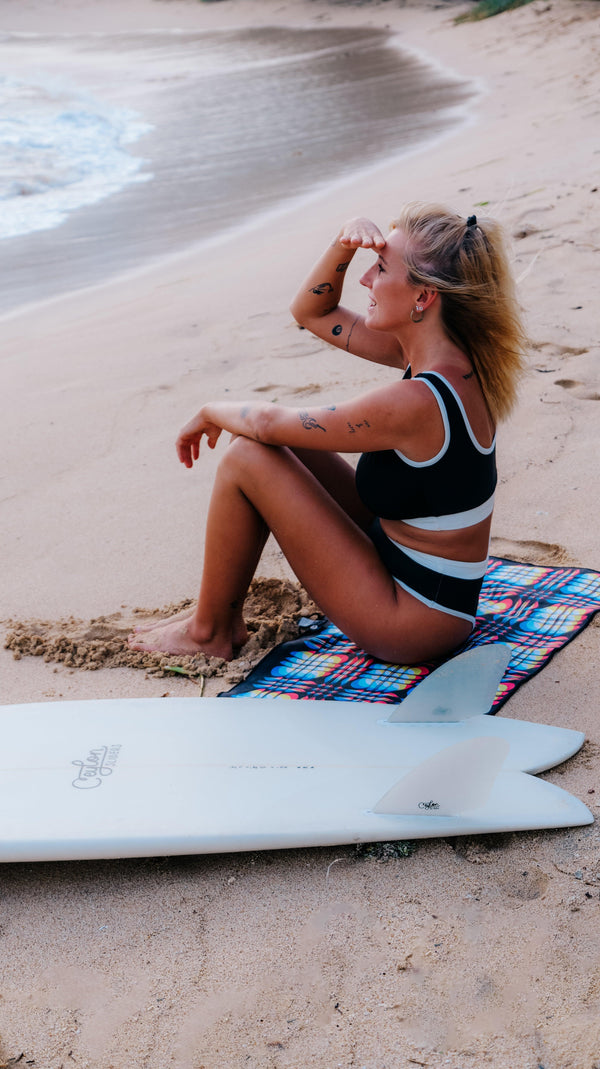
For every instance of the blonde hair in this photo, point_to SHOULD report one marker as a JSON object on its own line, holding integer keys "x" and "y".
{"x": 466, "y": 263}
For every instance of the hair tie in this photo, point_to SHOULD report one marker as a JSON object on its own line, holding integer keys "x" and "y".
{"x": 472, "y": 220}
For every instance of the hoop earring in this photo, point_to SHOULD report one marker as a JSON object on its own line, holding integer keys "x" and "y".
{"x": 417, "y": 308}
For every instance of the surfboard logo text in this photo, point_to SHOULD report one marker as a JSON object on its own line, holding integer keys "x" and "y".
{"x": 429, "y": 805}
{"x": 98, "y": 764}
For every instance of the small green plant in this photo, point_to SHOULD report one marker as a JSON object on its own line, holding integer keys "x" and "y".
{"x": 385, "y": 851}
{"x": 486, "y": 8}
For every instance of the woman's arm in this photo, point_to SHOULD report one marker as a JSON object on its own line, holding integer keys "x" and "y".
{"x": 404, "y": 416}
{"x": 316, "y": 305}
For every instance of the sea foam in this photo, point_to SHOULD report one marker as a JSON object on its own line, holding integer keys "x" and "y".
{"x": 60, "y": 149}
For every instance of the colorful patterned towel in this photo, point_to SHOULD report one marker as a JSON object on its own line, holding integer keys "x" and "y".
{"x": 537, "y": 610}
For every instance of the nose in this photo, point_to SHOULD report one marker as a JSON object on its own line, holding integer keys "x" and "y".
{"x": 367, "y": 278}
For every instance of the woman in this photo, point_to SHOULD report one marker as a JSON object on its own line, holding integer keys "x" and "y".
{"x": 395, "y": 553}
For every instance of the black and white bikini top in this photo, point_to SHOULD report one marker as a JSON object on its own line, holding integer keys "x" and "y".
{"x": 453, "y": 490}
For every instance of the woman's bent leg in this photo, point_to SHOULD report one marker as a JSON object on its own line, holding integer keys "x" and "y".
{"x": 261, "y": 488}
{"x": 337, "y": 476}
{"x": 235, "y": 539}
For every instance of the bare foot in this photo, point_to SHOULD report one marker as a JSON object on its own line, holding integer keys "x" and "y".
{"x": 150, "y": 625}
{"x": 175, "y": 636}
{"x": 153, "y": 632}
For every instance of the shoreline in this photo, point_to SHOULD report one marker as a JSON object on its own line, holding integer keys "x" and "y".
{"x": 475, "y": 952}
{"x": 115, "y": 264}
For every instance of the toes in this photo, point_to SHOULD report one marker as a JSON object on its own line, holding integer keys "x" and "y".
{"x": 134, "y": 643}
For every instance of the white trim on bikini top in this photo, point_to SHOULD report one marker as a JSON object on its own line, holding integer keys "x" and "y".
{"x": 452, "y": 521}
{"x": 485, "y": 450}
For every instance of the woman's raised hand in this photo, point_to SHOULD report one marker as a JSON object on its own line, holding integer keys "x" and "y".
{"x": 188, "y": 442}
{"x": 361, "y": 233}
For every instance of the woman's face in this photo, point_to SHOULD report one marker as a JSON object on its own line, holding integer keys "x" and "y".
{"x": 391, "y": 295}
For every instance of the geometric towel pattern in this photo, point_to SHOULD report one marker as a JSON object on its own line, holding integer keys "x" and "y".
{"x": 535, "y": 609}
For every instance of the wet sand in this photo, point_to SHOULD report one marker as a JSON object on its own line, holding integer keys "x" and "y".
{"x": 467, "y": 953}
{"x": 205, "y": 164}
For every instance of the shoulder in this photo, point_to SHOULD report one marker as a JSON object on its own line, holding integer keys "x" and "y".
{"x": 463, "y": 385}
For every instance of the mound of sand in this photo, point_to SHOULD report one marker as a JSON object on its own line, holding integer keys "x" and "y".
{"x": 273, "y": 608}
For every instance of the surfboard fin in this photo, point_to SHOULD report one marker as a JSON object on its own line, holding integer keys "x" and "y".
{"x": 455, "y": 780}
{"x": 463, "y": 687}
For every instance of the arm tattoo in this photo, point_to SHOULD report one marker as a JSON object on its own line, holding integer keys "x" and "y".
{"x": 353, "y": 428}
{"x": 337, "y": 329}
{"x": 309, "y": 422}
{"x": 323, "y": 287}
{"x": 469, "y": 375}
{"x": 329, "y": 408}
{"x": 244, "y": 410}
{"x": 342, "y": 266}
{"x": 350, "y": 334}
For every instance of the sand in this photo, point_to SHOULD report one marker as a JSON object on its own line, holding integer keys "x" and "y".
{"x": 275, "y": 611}
{"x": 466, "y": 953}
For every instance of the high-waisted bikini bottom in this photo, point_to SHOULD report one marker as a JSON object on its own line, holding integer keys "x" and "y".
{"x": 451, "y": 586}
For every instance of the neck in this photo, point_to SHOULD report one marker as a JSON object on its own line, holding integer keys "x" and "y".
{"x": 426, "y": 346}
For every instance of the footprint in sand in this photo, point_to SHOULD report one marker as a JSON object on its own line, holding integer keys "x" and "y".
{"x": 581, "y": 390}
{"x": 526, "y": 884}
{"x": 587, "y": 758}
{"x": 551, "y": 354}
{"x": 311, "y": 387}
{"x": 530, "y": 551}
{"x": 552, "y": 349}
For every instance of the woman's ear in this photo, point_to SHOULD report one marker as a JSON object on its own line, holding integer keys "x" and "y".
{"x": 426, "y": 298}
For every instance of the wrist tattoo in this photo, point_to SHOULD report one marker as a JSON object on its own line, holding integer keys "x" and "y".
{"x": 342, "y": 266}
{"x": 309, "y": 422}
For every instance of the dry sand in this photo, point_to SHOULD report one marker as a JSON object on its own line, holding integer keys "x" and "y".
{"x": 468, "y": 953}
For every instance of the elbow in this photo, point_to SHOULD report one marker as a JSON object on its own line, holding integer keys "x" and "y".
{"x": 296, "y": 311}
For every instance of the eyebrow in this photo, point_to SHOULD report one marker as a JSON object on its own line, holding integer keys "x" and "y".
{"x": 382, "y": 258}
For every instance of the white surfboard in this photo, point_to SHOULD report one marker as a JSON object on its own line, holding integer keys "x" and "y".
{"x": 141, "y": 777}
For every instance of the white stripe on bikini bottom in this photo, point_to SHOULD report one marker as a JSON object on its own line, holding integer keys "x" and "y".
{"x": 434, "y": 604}
{"x": 458, "y": 569}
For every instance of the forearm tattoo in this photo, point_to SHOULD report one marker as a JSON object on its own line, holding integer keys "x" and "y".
{"x": 309, "y": 422}
{"x": 323, "y": 287}
{"x": 337, "y": 329}
{"x": 350, "y": 334}
{"x": 342, "y": 266}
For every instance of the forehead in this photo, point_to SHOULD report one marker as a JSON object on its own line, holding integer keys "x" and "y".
{"x": 394, "y": 253}
{"x": 396, "y": 243}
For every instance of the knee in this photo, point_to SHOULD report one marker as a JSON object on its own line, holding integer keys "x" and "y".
{"x": 244, "y": 454}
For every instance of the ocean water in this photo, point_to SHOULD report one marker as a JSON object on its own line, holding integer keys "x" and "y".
{"x": 60, "y": 150}
{"x": 120, "y": 148}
